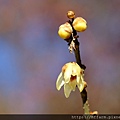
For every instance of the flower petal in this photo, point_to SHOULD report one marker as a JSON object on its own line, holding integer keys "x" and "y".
{"x": 60, "y": 81}
{"x": 73, "y": 85}
{"x": 80, "y": 83}
{"x": 67, "y": 90}
{"x": 67, "y": 75}
{"x": 80, "y": 87}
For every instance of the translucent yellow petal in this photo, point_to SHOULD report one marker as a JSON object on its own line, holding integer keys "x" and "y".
{"x": 60, "y": 81}
{"x": 80, "y": 78}
{"x": 80, "y": 87}
{"x": 75, "y": 69}
{"x": 67, "y": 78}
{"x": 80, "y": 82}
{"x": 73, "y": 85}
{"x": 67, "y": 90}
{"x": 67, "y": 75}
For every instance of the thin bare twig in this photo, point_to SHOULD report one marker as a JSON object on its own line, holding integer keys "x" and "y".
{"x": 84, "y": 92}
{"x": 78, "y": 60}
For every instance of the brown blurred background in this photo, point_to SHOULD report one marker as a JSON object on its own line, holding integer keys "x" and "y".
{"x": 32, "y": 54}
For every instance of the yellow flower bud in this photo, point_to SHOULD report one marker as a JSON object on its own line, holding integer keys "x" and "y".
{"x": 70, "y": 14}
{"x": 65, "y": 30}
{"x": 79, "y": 24}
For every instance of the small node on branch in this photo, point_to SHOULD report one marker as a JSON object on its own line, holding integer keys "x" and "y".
{"x": 70, "y": 14}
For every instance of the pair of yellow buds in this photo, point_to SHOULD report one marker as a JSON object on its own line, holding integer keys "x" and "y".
{"x": 79, "y": 24}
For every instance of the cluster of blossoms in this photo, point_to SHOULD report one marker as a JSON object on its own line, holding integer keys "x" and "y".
{"x": 71, "y": 76}
{"x": 79, "y": 24}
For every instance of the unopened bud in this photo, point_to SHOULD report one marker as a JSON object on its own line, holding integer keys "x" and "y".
{"x": 70, "y": 14}
{"x": 79, "y": 24}
{"x": 65, "y": 30}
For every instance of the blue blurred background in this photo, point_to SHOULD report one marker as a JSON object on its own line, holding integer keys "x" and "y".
{"x": 32, "y": 54}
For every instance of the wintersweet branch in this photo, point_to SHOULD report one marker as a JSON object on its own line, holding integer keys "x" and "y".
{"x": 72, "y": 73}
{"x": 84, "y": 92}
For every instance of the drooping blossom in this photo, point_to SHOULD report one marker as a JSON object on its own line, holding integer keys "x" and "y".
{"x": 71, "y": 76}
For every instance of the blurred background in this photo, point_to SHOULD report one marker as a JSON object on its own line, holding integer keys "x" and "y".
{"x": 32, "y": 55}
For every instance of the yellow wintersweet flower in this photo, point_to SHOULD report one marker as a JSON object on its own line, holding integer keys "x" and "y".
{"x": 71, "y": 76}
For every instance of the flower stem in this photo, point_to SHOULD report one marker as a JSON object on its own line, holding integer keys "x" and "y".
{"x": 84, "y": 92}
{"x": 78, "y": 60}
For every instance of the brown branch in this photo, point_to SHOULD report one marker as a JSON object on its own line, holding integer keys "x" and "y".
{"x": 84, "y": 92}
{"x": 70, "y": 36}
{"x": 78, "y": 60}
